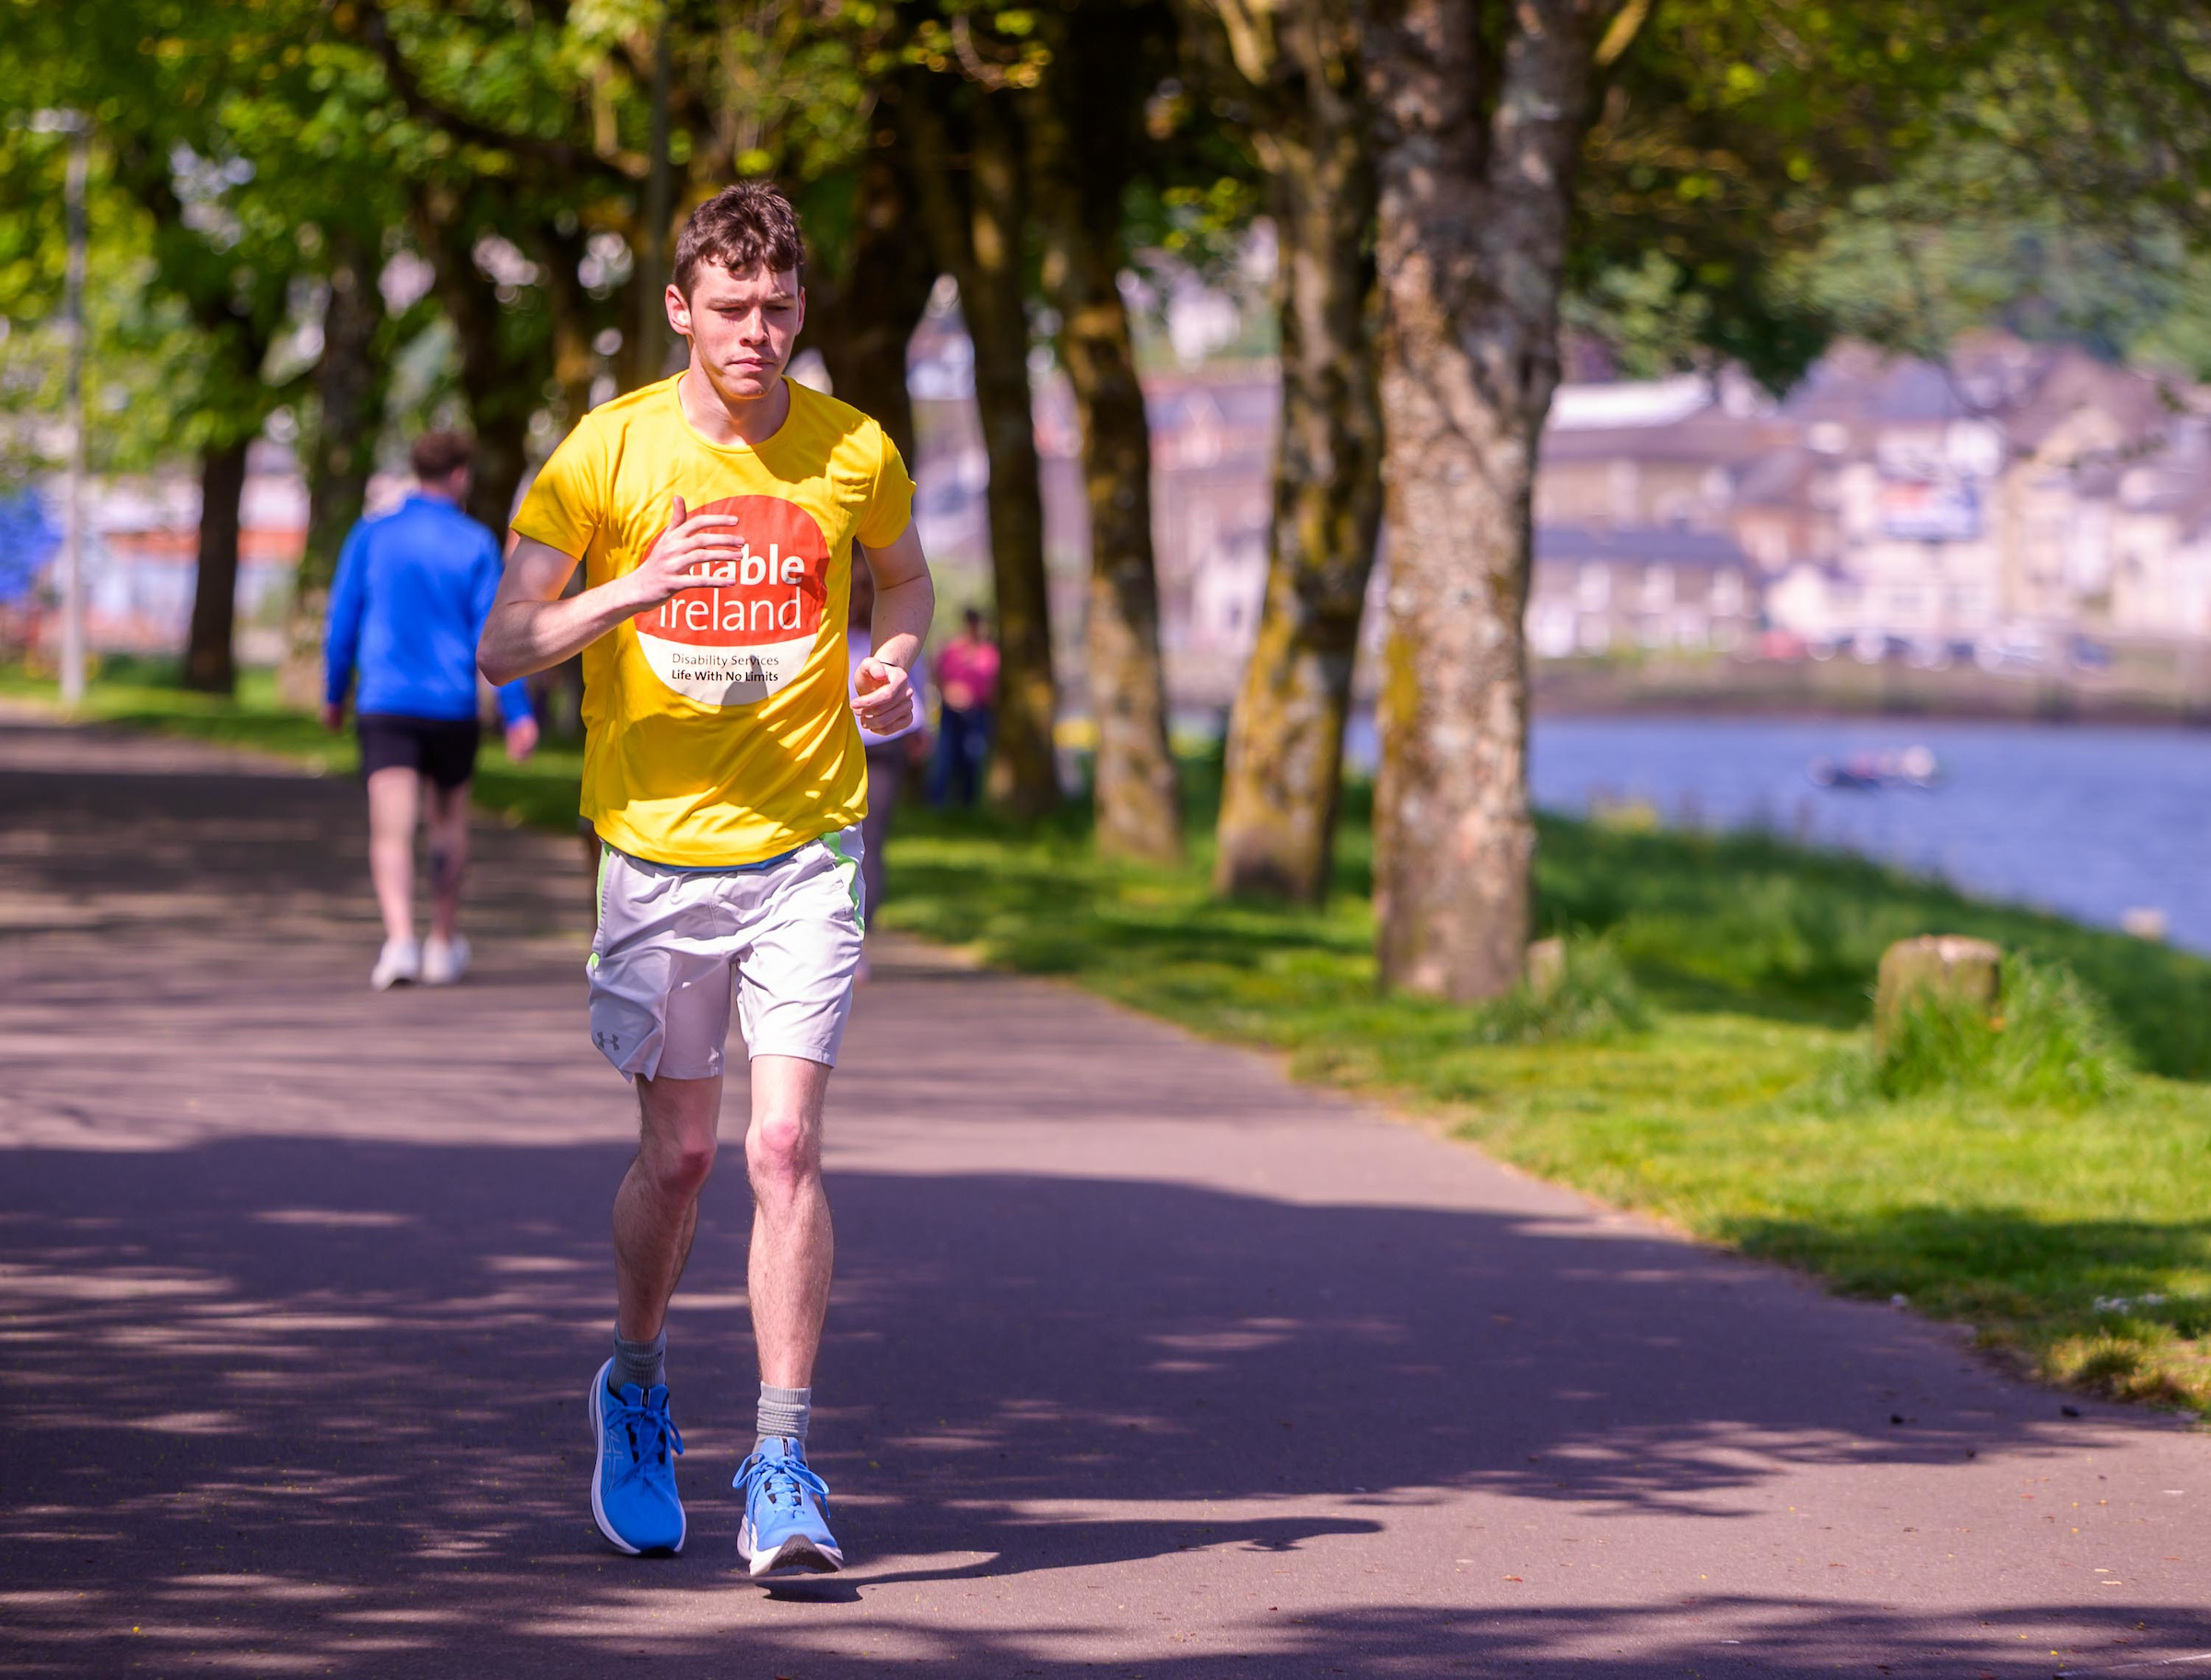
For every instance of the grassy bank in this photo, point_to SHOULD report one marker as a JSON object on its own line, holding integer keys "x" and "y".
{"x": 1713, "y": 1068}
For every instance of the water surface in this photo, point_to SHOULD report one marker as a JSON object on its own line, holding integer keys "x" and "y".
{"x": 2087, "y": 820}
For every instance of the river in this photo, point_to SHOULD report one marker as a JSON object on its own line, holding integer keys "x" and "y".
{"x": 2087, "y": 820}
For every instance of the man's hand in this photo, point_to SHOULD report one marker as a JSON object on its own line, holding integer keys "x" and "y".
{"x": 883, "y": 697}
{"x": 522, "y": 739}
{"x": 333, "y": 716}
{"x": 686, "y": 543}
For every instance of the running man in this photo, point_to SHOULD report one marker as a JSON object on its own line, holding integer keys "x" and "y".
{"x": 410, "y": 598}
{"x": 717, "y": 516}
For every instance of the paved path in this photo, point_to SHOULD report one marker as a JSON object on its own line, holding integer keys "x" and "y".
{"x": 1144, "y": 1361}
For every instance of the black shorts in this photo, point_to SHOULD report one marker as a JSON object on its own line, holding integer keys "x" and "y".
{"x": 444, "y": 749}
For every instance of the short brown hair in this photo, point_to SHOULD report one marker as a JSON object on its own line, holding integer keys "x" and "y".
{"x": 437, "y": 455}
{"x": 747, "y": 227}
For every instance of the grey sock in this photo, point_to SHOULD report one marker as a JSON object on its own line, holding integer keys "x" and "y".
{"x": 783, "y": 1412}
{"x": 644, "y": 1363}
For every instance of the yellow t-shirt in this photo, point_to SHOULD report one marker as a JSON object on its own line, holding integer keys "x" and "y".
{"x": 717, "y": 729}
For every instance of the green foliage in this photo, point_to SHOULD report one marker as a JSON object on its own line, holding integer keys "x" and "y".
{"x": 1766, "y": 176}
{"x": 1593, "y": 999}
{"x": 1969, "y": 237}
{"x": 1643, "y": 313}
{"x": 2052, "y": 1045}
{"x": 1749, "y": 921}
{"x": 1730, "y": 134}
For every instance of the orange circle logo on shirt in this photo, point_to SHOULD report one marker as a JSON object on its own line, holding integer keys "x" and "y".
{"x": 739, "y": 642}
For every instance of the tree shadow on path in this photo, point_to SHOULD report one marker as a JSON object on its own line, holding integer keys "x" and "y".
{"x": 322, "y": 1401}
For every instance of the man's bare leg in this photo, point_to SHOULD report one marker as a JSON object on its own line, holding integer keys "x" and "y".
{"x": 786, "y": 1521}
{"x": 448, "y": 828}
{"x": 634, "y": 1499}
{"x": 395, "y": 800}
{"x": 656, "y": 1210}
{"x": 793, "y": 1247}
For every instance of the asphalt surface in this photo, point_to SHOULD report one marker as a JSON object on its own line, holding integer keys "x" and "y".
{"x": 1143, "y": 1361}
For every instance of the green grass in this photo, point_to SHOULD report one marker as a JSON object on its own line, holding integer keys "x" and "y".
{"x": 1707, "y": 1058}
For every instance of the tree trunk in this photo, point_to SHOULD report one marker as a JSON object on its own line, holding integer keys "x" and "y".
{"x": 350, "y": 382}
{"x": 979, "y": 240}
{"x": 209, "y": 664}
{"x": 1084, "y": 145}
{"x": 503, "y": 385}
{"x": 650, "y": 343}
{"x": 1295, "y": 69}
{"x": 1476, "y": 196}
{"x": 1284, "y": 774}
{"x": 575, "y": 362}
{"x": 862, "y": 321}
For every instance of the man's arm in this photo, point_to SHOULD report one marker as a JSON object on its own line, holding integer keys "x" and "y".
{"x": 904, "y": 600}
{"x": 531, "y": 628}
{"x": 342, "y": 632}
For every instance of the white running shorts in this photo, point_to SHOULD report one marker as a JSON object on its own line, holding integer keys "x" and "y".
{"x": 672, "y": 943}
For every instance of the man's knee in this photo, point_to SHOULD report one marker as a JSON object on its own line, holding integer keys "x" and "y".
{"x": 679, "y": 1167}
{"x": 782, "y": 1149}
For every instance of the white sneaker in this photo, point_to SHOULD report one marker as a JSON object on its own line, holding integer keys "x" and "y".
{"x": 399, "y": 963}
{"x": 443, "y": 963}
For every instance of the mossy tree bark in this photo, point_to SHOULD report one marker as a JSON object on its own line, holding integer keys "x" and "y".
{"x": 1296, "y": 67}
{"x": 574, "y": 322}
{"x": 862, "y": 317}
{"x": 1482, "y": 116}
{"x": 1087, "y": 129}
{"x": 350, "y": 379}
{"x": 210, "y": 663}
{"x": 238, "y": 344}
{"x": 977, "y": 216}
{"x": 504, "y": 364}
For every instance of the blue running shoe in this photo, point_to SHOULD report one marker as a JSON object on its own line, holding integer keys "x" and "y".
{"x": 632, "y": 1483}
{"x": 786, "y": 1521}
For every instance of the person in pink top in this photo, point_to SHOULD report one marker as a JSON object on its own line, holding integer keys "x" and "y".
{"x": 968, "y": 690}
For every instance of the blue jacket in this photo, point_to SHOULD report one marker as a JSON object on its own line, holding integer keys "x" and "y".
{"x": 413, "y": 590}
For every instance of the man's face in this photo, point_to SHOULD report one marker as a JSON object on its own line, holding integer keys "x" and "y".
{"x": 741, "y": 327}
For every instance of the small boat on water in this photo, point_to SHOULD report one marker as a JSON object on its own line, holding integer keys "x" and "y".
{"x": 1870, "y": 771}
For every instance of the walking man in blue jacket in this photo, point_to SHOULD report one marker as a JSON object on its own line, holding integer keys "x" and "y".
{"x": 413, "y": 589}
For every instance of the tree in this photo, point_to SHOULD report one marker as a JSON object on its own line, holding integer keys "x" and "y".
{"x": 233, "y": 273}
{"x": 514, "y": 143}
{"x": 1513, "y": 143}
{"x": 1481, "y": 138}
{"x": 969, "y": 150}
{"x": 161, "y": 86}
{"x": 142, "y": 350}
{"x": 1288, "y": 75}
{"x": 351, "y": 376}
{"x": 1086, "y": 120}
{"x": 867, "y": 291}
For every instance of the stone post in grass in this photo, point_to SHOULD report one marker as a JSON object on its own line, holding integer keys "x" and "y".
{"x": 1545, "y": 965}
{"x": 1944, "y": 967}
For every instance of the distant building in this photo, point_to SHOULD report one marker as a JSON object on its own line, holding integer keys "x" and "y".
{"x": 141, "y": 551}
{"x": 1638, "y": 586}
{"x": 2018, "y": 498}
